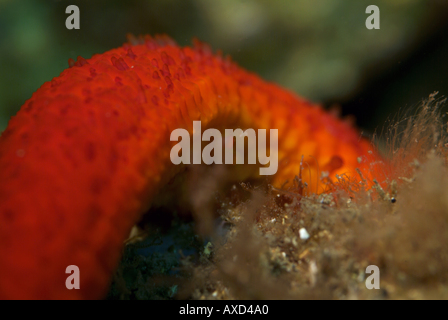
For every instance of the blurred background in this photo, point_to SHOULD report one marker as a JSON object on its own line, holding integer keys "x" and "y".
{"x": 320, "y": 49}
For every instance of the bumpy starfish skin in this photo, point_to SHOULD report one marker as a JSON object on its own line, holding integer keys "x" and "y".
{"x": 82, "y": 159}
